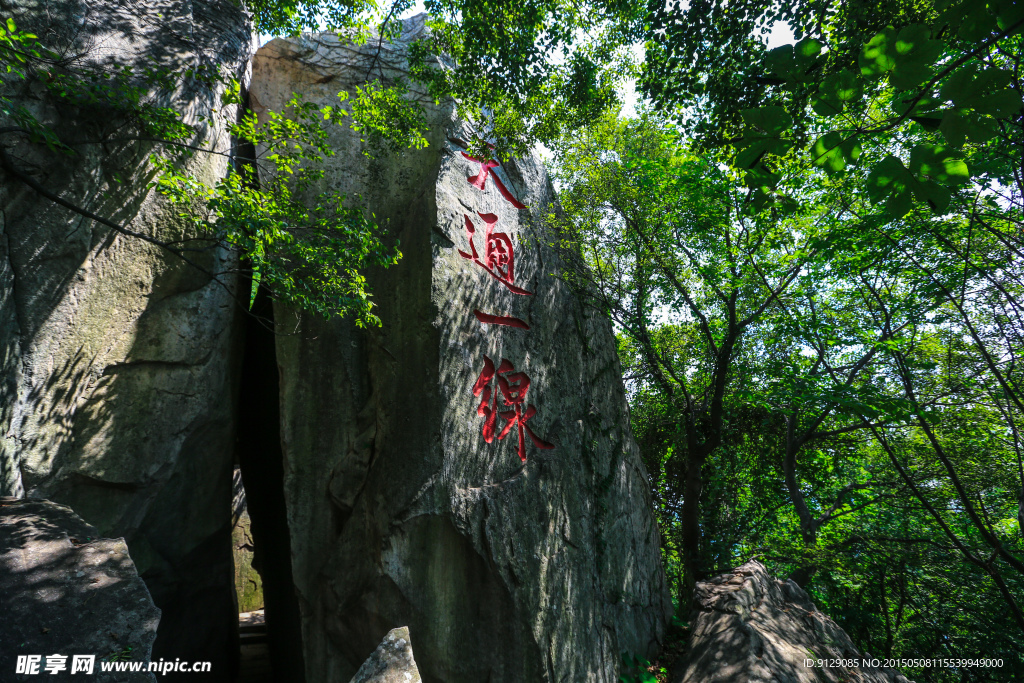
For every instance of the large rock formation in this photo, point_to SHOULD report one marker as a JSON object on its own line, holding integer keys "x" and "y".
{"x": 391, "y": 662}
{"x": 66, "y": 590}
{"x": 748, "y": 626}
{"x": 116, "y": 358}
{"x": 400, "y": 510}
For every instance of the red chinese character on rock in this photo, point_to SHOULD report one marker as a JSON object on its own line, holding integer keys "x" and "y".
{"x": 499, "y": 258}
{"x": 512, "y": 387}
{"x": 506, "y": 320}
{"x": 480, "y": 180}
{"x": 483, "y": 384}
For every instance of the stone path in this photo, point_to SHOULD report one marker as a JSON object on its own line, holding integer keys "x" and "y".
{"x": 254, "y": 664}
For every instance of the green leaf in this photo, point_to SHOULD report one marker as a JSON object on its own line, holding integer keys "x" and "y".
{"x": 914, "y": 53}
{"x": 959, "y": 126}
{"x": 835, "y": 91}
{"x": 935, "y": 195}
{"x": 904, "y": 103}
{"x": 833, "y": 150}
{"x": 794, "y": 63}
{"x": 899, "y": 203}
{"x": 780, "y": 60}
{"x": 977, "y": 23}
{"x": 984, "y": 90}
{"x": 760, "y": 199}
{"x": 910, "y": 74}
{"x": 806, "y": 51}
{"x": 930, "y": 122}
{"x": 768, "y": 119}
{"x": 878, "y": 55}
{"x": 760, "y": 177}
{"x": 1009, "y": 13}
{"x": 888, "y": 176}
{"x": 754, "y": 147}
{"x": 1001, "y": 104}
{"x": 939, "y": 164}
{"x": 232, "y": 93}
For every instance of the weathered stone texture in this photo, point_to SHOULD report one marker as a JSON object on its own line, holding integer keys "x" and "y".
{"x": 400, "y": 513}
{"x": 248, "y": 583}
{"x": 64, "y": 589}
{"x": 391, "y": 662}
{"x": 116, "y": 392}
{"x": 748, "y": 626}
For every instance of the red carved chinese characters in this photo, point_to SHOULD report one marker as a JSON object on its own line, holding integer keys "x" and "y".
{"x": 498, "y": 259}
{"x": 483, "y": 384}
{"x": 480, "y": 180}
{"x": 513, "y": 387}
{"x": 506, "y": 320}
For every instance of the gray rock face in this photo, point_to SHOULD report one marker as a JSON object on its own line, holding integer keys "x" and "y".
{"x": 400, "y": 510}
{"x": 391, "y": 662}
{"x": 116, "y": 368}
{"x": 750, "y": 627}
{"x": 66, "y": 590}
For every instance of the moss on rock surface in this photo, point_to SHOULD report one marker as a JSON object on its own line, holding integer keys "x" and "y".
{"x": 248, "y": 585}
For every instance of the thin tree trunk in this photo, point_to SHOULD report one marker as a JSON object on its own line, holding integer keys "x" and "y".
{"x": 693, "y": 486}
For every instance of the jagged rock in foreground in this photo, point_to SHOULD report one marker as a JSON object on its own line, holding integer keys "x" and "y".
{"x": 749, "y": 627}
{"x": 65, "y": 590}
{"x": 116, "y": 358}
{"x": 400, "y": 511}
{"x": 391, "y": 662}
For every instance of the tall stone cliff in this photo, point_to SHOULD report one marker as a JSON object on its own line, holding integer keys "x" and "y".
{"x": 466, "y": 470}
{"x": 470, "y": 477}
{"x": 118, "y": 360}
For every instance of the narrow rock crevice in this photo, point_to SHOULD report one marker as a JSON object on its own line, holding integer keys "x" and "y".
{"x": 260, "y": 460}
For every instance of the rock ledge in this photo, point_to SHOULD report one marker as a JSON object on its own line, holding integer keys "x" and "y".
{"x": 64, "y": 590}
{"x": 748, "y": 626}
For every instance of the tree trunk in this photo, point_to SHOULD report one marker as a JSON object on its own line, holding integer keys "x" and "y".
{"x": 693, "y": 486}
{"x": 808, "y": 525}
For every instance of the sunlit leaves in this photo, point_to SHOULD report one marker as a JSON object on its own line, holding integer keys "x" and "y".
{"x": 294, "y": 16}
{"x": 834, "y": 150}
{"x": 391, "y": 121}
{"x": 916, "y": 131}
{"x": 915, "y": 53}
{"x": 794, "y": 63}
{"x": 893, "y": 182}
{"x": 985, "y": 90}
{"x": 309, "y": 245}
{"x": 931, "y": 167}
{"x": 878, "y": 56}
{"x": 836, "y": 91}
{"x": 940, "y": 164}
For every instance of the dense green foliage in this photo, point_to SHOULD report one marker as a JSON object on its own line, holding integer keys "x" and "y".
{"x": 911, "y": 110}
{"x": 833, "y": 392}
{"x": 303, "y": 241}
{"x": 521, "y": 72}
{"x": 812, "y": 255}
